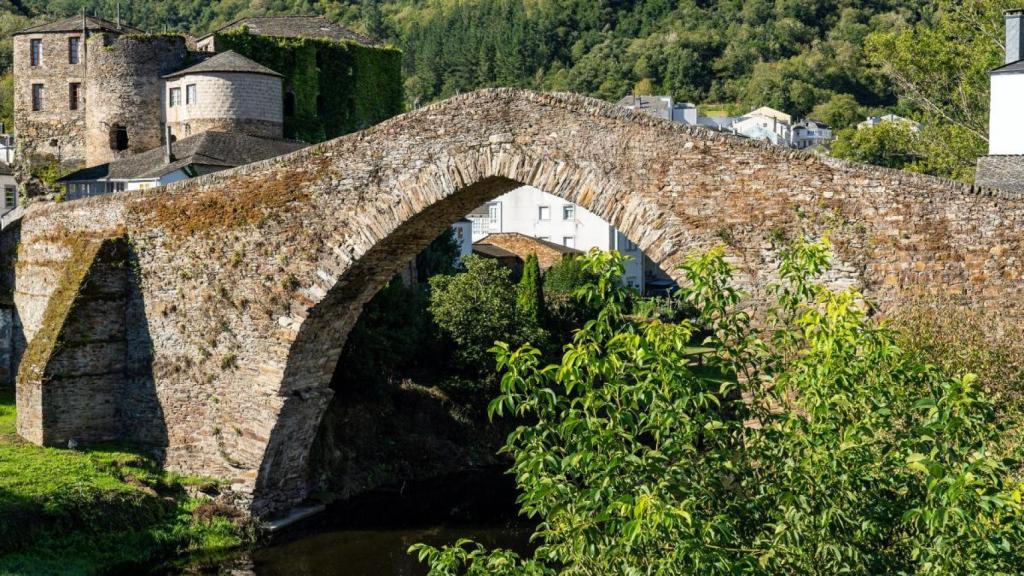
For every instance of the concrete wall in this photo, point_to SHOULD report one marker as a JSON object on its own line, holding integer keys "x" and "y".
{"x": 247, "y": 103}
{"x": 56, "y": 121}
{"x": 1006, "y": 114}
{"x": 250, "y": 279}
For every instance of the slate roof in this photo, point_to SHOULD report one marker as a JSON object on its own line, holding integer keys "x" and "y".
{"x": 296, "y": 27}
{"x": 221, "y": 149}
{"x": 229, "y": 61}
{"x": 74, "y": 24}
{"x": 1011, "y": 68}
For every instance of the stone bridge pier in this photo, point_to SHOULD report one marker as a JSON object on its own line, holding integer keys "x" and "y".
{"x": 205, "y": 320}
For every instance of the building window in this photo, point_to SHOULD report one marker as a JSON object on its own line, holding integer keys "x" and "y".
{"x": 74, "y": 95}
{"x": 630, "y": 246}
{"x": 190, "y": 94}
{"x": 118, "y": 138}
{"x": 10, "y": 197}
{"x": 73, "y": 44}
{"x": 569, "y": 241}
{"x": 116, "y": 186}
{"x": 36, "y": 51}
{"x": 37, "y": 97}
{"x": 543, "y": 213}
{"x": 568, "y": 212}
{"x": 479, "y": 226}
{"x": 174, "y": 97}
{"x": 493, "y": 215}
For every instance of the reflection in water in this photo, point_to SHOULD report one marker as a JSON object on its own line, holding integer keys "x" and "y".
{"x": 376, "y": 552}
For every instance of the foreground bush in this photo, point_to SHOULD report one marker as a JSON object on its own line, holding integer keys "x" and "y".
{"x": 816, "y": 445}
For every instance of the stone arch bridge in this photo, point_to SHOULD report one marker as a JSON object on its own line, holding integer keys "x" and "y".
{"x": 206, "y": 319}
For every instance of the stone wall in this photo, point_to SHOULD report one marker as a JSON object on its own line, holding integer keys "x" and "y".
{"x": 56, "y": 122}
{"x": 125, "y": 74}
{"x": 250, "y": 279}
{"x": 248, "y": 103}
{"x": 72, "y": 374}
{"x": 522, "y": 246}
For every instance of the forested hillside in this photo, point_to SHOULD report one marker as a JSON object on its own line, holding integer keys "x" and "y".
{"x": 825, "y": 58}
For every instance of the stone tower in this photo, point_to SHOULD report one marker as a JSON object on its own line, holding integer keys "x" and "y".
{"x": 50, "y": 70}
{"x": 125, "y": 84}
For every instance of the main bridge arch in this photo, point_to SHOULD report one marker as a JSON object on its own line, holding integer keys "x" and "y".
{"x": 221, "y": 334}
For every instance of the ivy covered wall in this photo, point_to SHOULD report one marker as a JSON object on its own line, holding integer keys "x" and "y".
{"x": 338, "y": 87}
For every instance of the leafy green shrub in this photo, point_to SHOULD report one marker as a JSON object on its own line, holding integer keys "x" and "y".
{"x": 475, "y": 309}
{"x": 816, "y": 445}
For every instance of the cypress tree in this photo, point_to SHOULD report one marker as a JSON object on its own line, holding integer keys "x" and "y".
{"x": 530, "y": 295}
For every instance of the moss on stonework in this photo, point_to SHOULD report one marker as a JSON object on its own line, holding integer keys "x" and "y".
{"x": 46, "y": 343}
{"x": 243, "y": 201}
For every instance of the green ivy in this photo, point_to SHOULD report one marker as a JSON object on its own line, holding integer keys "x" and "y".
{"x": 339, "y": 87}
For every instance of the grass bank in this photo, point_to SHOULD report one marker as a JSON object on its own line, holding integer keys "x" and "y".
{"x": 96, "y": 511}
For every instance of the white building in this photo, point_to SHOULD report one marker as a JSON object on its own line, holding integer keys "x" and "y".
{"x": 1004, "y": 166}
{"x": 1006, "y": 113}
{"x": 765, "y": 123}
{"x": 532, "y": 212}
{"x": 809, "y": 133}
{"x": 873, "y": 121}
{"x": 7, "y": 148}
{"x": 9, "y": 200}
{"x": 662, "y": 107}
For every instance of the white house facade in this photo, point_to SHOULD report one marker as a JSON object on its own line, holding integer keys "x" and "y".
{"x": 1004, "y": 166}
{"x": 533, "y": 212}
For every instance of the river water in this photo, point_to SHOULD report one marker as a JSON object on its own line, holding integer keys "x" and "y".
{"x": 370, "y": 535}
{"x": 377, "y": 552}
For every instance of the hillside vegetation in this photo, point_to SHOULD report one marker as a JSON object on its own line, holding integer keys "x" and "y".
{"x": 834, "y": 60}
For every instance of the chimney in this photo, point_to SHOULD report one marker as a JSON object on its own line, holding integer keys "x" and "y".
{"x": 168, "y": 155}
{"x": 1014, "y": 38}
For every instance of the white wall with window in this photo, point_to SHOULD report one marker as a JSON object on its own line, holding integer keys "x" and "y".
{"x": 533, "y": 212}
{"x": 9, "y": 188}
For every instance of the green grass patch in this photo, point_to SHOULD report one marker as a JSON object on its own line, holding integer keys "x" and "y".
{"x": 90, "y": 512}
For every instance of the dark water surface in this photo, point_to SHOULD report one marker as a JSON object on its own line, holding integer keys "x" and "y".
{"x": 370, "y": 535}
{"x": 377, "y": 552}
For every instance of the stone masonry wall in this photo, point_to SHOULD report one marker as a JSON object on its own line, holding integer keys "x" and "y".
{"x": 250, "y": 103}
{"x": 522, "y": 245}
{"x": 72, "y": 373}
{"x": 250, "y": 279}
{"x": 56, "y": 121}
{"x": 125, "y": 75}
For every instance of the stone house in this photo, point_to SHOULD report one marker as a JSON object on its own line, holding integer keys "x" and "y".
{"x": 51, "y": 71}
{"x": 1003, "y": 167}
{"x": 89, "y": 91}
{"x": 286, "y": 27}
{"x": 512, "y": 249}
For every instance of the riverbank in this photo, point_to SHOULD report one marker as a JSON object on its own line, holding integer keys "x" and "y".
{"x": 102, "y": 510}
